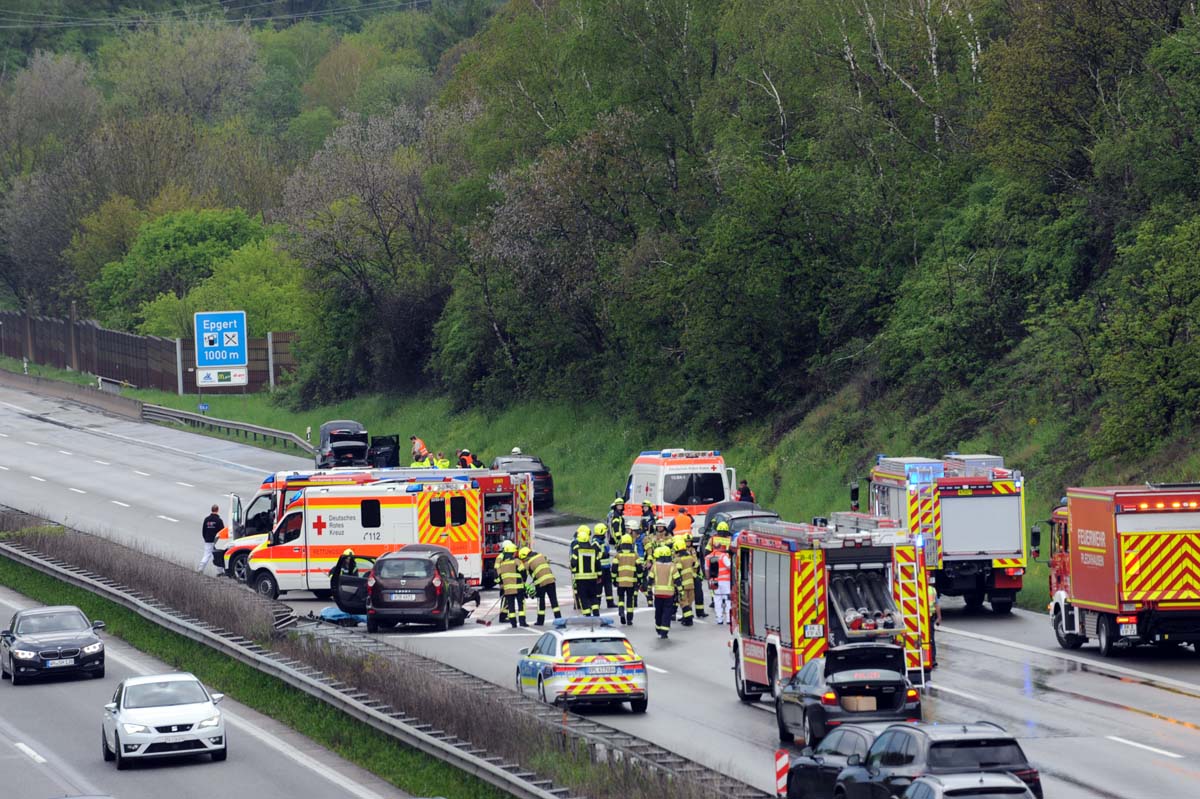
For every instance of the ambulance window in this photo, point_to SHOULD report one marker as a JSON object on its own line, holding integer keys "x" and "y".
{"x": 437, "y": 512}
{"x": 289, "y": 529}
{"x": 369, "y": 513}
{"x": 458, "y": 511}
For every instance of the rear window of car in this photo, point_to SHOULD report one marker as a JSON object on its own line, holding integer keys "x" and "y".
{"x": 987, "y": 793}
{"x": 982, "y": 753}
{"x": 693, "y": 489}
{"x": 588, "y": 647}
{"x": 403, "y": 567}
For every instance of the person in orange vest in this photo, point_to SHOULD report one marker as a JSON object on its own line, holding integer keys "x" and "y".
{"x": 683, "y": 523}
{"x": 744, "y": 494}
{"x": 419, "y": 451}
{"x": 718, "y": 567}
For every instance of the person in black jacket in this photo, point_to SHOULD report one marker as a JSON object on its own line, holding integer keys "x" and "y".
{"x": 211, "y": 526}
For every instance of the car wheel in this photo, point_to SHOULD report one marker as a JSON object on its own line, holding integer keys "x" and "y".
{"x": 3, "y": 671}
{"x": 98, "y": 673}
{"x": 122, "y": 761}
{"x": 1003, "y": 606}
{"x": 1104, "y": 635}
{"x": 12, "y": 672}
{"x": 237, "y": 567}
{"x": 520, "y": 685}
{"x": 265, "y": 585}
{"x": 372, "y": 625}
{"x": 1065, "y": 639}
{"x": 785, "y": 735}
{"x": 542, "y": 691}
{"x": 743, "y": 691}
{"x": 810, "y": 738}
{"x": 104, "y": 750}
{"x": 443, "y": 623}
{"x": 639, "y": 705}
{"x": 219, "y": 755}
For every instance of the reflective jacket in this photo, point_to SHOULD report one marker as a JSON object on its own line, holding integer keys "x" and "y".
{"x": 585, "y": 561}
{"x": 683, "y": 523}
{"x": 688, "y": 564}
{"x": 719, "y": 560}
{"x": 629, "y": 567}
{"x": 538, "y": 569}
{"x": 667, "y": 578}
{"x": 509, "y": 573}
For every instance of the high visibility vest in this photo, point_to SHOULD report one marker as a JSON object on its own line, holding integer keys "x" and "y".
{"x": 420, "y": 449}
{"x": 444, "y": 463}
{"x": 584, "y": 561}
{"x": 683, "y": 523}
{"x": 605, "y": 552}
{"x": 665, "y": 574}
{"x": 687, "y": 565}
{"x": 617, "y": 527}
{"x": 628, "y": 566}
{"x": 538, "y": 569}
{"x": 932, "y": 599}
{"x": 510, "y": 576}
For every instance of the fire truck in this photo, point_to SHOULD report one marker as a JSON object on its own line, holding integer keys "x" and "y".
{"x": 802, "y": 588}
{"x": 971, "y": 511}
{"x": 507, "y": 509}
{"x": 1125, "y": 566}
{"x": 674, "y": 480}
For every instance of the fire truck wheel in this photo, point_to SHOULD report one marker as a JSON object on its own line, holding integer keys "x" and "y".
{"x": 774, "y": 683}
{"x": 265, "y": 585}
{"x": 974, "y": 600}
{"x": 1105, "y": 635}
{"x": 1065, "y": 639}
{"x": 743, "y": 691}
{"x": 1002, "y": 606}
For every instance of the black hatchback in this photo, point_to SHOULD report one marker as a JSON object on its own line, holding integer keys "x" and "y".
{"x": 419, "y": 584}
{"x": 813, "y": 772}
{"x": 40, "y": 642}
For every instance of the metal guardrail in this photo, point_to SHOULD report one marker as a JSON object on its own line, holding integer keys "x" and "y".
{"x": 463, "y": 755}
{"x": 160, "y": 413}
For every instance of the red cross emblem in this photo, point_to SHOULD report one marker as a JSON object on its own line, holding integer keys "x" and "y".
{"x": 319, "y": 525}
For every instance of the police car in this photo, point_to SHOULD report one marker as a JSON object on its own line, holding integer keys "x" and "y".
{"x": 584, "y": 660}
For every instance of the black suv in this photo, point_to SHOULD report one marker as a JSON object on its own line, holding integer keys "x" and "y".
{"x": 904, "y": 752}
{"x": 343, "y": 443}
{"x": 543, "y": 483}
{"x": 418, "y": 584}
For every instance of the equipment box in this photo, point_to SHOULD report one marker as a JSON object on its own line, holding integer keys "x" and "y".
{"x": 859, "y": 704}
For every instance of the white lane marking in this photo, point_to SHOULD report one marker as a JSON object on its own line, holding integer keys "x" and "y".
{"x": 4, "y": 468}
{"x": 1092, "y": 665}
{"x": 656, "y": 668}
{"x": 168, "y": 518}
{"x": 33, "y": 443}
{"x": 185, "y": 485}
{"x": 32, "y": 755}
{"x": 78, "y": 490}
{"x": 102, "y": 463}
{"x": 143, "y": 474}
{"x": 64, "y": 452}
{"x": 763, "y": 708}
{"x": 3, "y": 435}
{"x": 119, "y": 502}
{"x": 35, "y": 477}
{"x": 1162, "y": 752}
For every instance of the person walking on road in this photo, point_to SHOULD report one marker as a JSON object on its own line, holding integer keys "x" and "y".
{"x": 540, "y": 576}
{"x": 601, "y": 539}
{"x": 629, "y": 574}
{"x": 585, "y": 571}
{"x": 210, "y": 528}
{"x": 509, "y": 572}
{"x": 666, "y": 582}
{"x": 935, "y": 620}
{"x": 719, "y": 573}
{"x": 688, "y": 570}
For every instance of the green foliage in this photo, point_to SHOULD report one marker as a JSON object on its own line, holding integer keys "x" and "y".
{"x": 171, "y": 254}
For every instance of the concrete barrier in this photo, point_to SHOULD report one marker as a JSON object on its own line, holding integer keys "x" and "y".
{"x": 84, "y": 395}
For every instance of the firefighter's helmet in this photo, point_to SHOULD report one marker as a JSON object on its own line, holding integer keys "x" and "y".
{"x": 523, "y": 553}
{"x": 680, "y": 544}
{"x": 663, "y": 551}
{"x": 647, "y": 504}
{"x": 600, "y": 529}
{"x": 583, "y": 534}
{"x": 661, "y": 523}
{"x": 722, "y": 527}
{"x": 508, "y": 547}
{"x": 627, "y": 539}
{"x": 618, "y": 503}
{"x": 348, "y": 551}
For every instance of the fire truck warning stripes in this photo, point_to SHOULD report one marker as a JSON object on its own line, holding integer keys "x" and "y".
{"x": 1161, "y": 566}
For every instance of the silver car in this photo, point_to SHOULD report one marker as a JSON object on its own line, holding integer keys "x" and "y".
{"x": 162, "y": 715}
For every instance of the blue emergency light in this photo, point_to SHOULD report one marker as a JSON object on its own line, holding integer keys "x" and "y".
{"x": 583, "y": 621}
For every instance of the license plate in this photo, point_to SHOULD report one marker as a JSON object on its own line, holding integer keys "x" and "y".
{"x": 814, "y": 631}
{"x": 1128, "y": 629}
{"x": 402, "y": 596}
{"x": 63, "y": 662}
{"x": 172, "y": 739}
{"x": 602, "y": 670}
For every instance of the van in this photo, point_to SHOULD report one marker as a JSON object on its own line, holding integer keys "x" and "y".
{"x": 674, "y": 480}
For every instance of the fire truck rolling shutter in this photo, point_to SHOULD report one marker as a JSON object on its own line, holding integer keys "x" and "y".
{"x": 758, "y": 577}
{"x": 774, "y": 589}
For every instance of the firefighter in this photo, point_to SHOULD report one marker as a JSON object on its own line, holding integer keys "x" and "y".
{"x": 629, "y": 575}
{"x": 541, "y": 577}
{"x": 644, "y": 529}
{"x": 345, "y": 565}
{"x": 697, "y": 581}
{"x": 616, "y": 519}
{"x": 509, "y": 572}
{"x": 603, "y": 544}
{"x": 654, "y": 539}
{"x": 666, "y": 582}
{"x": 935, "y": 620}
{"x": 687, "y": 564}
{"x": 585, "y": 571}
{"x": 718, "y": 566}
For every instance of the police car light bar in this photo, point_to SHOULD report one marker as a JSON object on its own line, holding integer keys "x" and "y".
{"x": 583, "y": 621}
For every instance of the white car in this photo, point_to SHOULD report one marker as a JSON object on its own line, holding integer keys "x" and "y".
{"x": 161, "y": 716}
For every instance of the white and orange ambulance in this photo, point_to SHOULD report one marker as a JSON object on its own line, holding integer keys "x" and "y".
{"x": 674, "y": 480}
{"x": 321, "y": 522}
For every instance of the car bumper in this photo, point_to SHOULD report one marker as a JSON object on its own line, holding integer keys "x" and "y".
{"x": 837, "y": 716}
{"x": 427, "y": 614}
{"x": 596, "y": 690}
{"x": 84, "y": 664}
{"x": 219, "y": 558}
{"x": 157, "y": 744}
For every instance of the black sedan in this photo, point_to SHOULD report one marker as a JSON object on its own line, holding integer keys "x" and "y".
{"x": 738, "y": 515}
{"x": 543, "y": 483}
{"x": 852, "y": 684}
{"x": 51, "y": 640}
{"x": 814, "y": 771}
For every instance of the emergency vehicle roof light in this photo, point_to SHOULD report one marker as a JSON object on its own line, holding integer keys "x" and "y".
{"x": 648, "y": 452}
{"x": 583, "y": 621}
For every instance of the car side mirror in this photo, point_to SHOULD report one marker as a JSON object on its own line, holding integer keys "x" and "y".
{"x": 217, "y": 698}
{"x": 6, "y": 636}
{"x": 99, "y": 625}
{"x": 807, "y": 751}
{"x": 854, "y": 760}
{"x": 523, "y": 652}
{"x": 111, "y": 707}
{"x": 1035, "y": 540}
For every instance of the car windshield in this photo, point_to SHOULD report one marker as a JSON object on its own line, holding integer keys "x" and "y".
{"x": 588, "y": 647}
{"x": 162, "y": 694}
{"x": 67, "y": 621}
{"x": 983, "y": 753}
{"x": 403, "y": 567}
{"x": 699, "y": 488}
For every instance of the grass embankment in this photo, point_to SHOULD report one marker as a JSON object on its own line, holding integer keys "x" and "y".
{"x": 48, "y": 372}
{"x": 407, "y": 769}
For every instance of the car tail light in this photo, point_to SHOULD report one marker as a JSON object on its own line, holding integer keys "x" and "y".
{"x": 1126, "y": 619}
{"x": 437, "y": 584}
{"x": 370, "y": 581}
{"x": 1027, "y": 775}
{"x": 911, "y": 695}
{"x": 564, "y": 667}
{"x": 829, "y": 698}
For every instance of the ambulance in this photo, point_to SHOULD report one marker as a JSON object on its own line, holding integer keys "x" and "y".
{"x": 674, "y": 480}
{"x": 321, "y": 522}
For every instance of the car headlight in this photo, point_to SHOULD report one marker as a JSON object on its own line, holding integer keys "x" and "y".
{"x": 136, "y": 729}
{"x": 23, "y": 654}
{"x": 92, "y": 649}
{"x": 211, "y": 721}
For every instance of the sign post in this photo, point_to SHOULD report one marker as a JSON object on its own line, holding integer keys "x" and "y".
{"x": 221, "y": 352}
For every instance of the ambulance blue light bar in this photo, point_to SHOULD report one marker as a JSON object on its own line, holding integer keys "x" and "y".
{"x": 583, "y": 621}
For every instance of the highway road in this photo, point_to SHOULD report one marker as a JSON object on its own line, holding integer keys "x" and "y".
{"x": 1127, "y": 727}
{"x": 50, "y": 745}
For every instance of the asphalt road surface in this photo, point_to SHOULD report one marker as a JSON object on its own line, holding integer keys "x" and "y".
{"x": 50, "y": 745}
{"x": 1127, "y": 727}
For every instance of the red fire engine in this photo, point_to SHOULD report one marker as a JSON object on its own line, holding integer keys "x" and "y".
{"x": 1125, "y": 566}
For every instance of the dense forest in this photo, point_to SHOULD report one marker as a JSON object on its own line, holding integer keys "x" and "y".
{"x": 697, "y": 212}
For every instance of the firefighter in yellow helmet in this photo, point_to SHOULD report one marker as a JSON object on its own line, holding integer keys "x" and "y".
{"x": 585, "y": 571}
{"x": 511, "y": 576}
{"x": 541, "y": 579}
{"x": 601, "y": 539}
{"x": 666, "y": 582}
{"x": 689, "y": 571}
{"x": 345, "y": 566}
{"x": 628, "y": 575}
